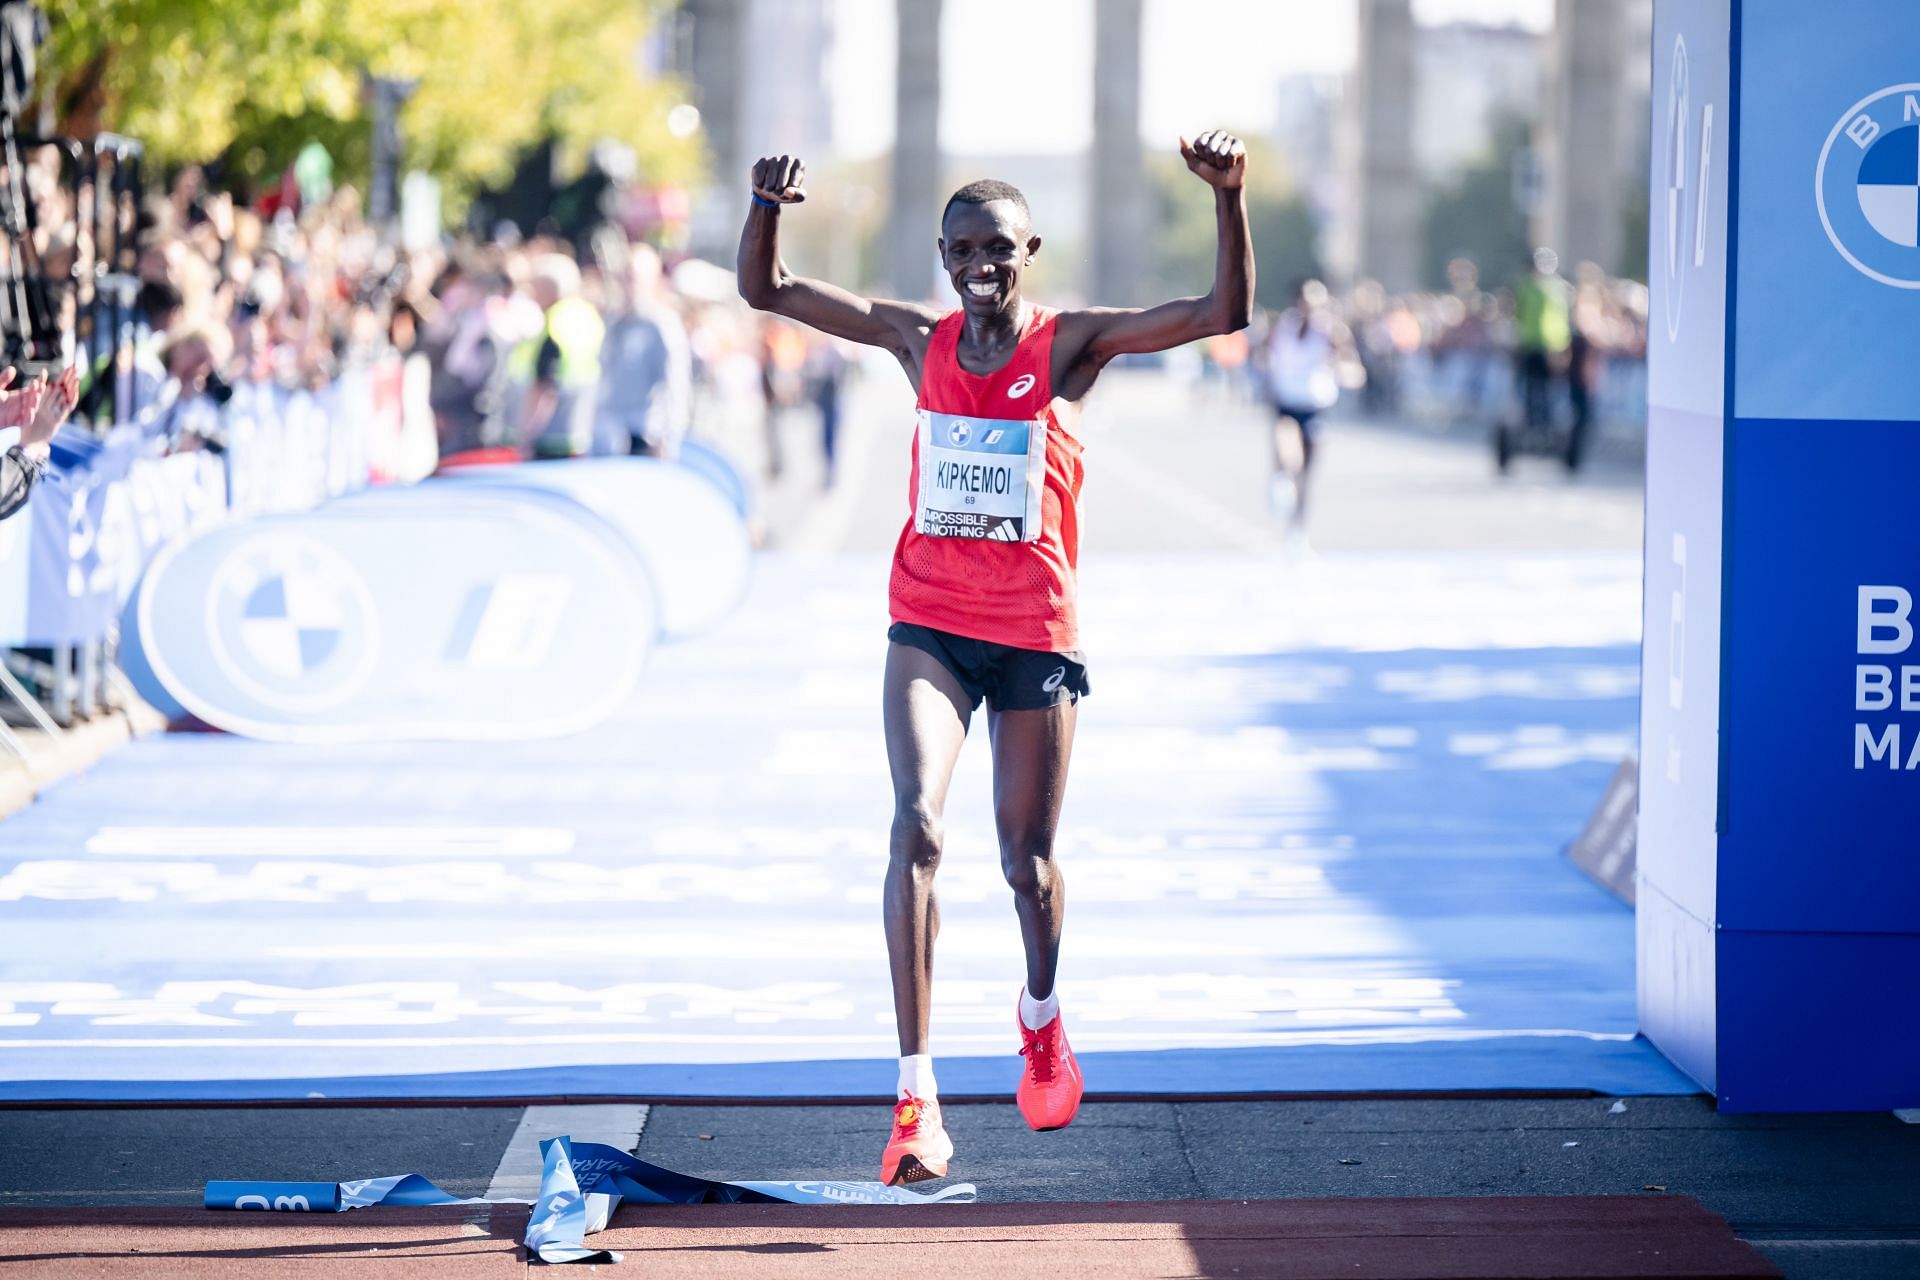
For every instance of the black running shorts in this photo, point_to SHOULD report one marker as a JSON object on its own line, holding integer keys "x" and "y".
{"x": 1009, "y": 679}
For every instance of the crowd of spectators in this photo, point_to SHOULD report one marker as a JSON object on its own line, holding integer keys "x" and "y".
{"x": 512, "y": 346}
{"x": 541, "y": 347}
{"x": 1482, "y": 355}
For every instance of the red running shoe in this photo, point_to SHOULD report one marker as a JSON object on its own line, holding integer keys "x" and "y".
{"x": 1051, "y": 1085}
{"x": 919, "y": 1148}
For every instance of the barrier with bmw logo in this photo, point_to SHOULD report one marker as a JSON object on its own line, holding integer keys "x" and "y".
{"x": 682, "y": 526}
{"x": 502, "y": 602}
{"x": 1779, "y": 885}
{"x": 411, "y": 613}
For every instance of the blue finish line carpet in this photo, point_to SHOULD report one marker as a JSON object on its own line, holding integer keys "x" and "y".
{"x": 1312, "y": 842}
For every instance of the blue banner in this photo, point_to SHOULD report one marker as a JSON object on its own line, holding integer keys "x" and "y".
{"x": 581, "y": 1184}
{"x": 1781, "y": 704}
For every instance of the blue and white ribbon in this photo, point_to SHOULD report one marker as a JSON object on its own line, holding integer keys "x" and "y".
{"x": 581, "y": 1184}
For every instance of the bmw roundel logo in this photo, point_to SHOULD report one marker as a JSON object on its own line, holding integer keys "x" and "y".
{"x": 1867, "y": 186}
{"x": 291, "y": 623}
{"x": 960, "y": 431}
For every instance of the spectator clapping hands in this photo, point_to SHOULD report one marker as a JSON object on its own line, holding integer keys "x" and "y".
{"x": 19, "y": 406}
{"x": 54, "y": 402}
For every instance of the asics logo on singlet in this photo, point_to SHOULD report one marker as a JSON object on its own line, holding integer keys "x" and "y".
{"x": 1052, "y": 682}
{"x": 1020, "y": 387}
{"x": 960, "y": 431}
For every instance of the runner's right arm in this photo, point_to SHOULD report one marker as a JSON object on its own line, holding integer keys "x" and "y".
{"x": 900, "y": 327}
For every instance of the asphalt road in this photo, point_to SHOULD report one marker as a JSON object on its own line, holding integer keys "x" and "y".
{"x": 1824, "y": 1196}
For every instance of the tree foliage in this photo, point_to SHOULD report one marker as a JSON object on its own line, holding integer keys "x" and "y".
{"x": 255, "y": 79}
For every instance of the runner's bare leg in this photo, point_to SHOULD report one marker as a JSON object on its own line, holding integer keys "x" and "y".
{"x": 1030, "y": 754}
{"x": 926, "y": 714}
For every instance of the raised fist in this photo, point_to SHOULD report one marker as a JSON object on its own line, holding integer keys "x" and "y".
{"x": 781, "y": 179}
{"x": 1218, "y": 157}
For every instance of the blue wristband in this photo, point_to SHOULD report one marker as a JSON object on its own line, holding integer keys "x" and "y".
{"x": 765, "y": 203}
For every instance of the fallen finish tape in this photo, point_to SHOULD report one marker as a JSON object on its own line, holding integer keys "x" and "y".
{"x": 581, "y": 1184}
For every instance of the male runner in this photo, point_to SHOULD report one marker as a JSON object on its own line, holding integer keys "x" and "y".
{"x": 982, "y": 590}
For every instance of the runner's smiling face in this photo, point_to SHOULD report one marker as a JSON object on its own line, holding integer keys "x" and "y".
{"x": 985, "y": 249}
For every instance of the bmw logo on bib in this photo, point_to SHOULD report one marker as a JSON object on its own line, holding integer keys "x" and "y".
{"x": 1868, "y": 186}
{"x": 292, "y": 623}
{"x": 960, "y": 431}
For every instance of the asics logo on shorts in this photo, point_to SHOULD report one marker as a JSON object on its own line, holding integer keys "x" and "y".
{"x": 1052, "y": 682}
{"x": 1020, "y": 387}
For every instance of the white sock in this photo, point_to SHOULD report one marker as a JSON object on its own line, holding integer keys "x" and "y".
{"x": 916, "y": 1077}
{"x": 1035, "y": 1014}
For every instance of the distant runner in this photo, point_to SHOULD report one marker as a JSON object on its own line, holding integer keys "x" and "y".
{"x": 983, "y": 590}
{"x": 1303, "y": 354}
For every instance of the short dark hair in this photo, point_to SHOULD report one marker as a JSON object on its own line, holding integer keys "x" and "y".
{"x": 986, "y": 191}
{"x": 156, "y": 298}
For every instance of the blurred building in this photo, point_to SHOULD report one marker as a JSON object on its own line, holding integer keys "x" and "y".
{"x": 1121, "y": 216}
{"x": 1380, "y": 237}
{"x": 914, "y": 198}
{"x": 1594, "y": 127}
{"x": 1467, "y": 77}
{"x": 1424, "y": 101}
{"x": 1305, "y": 136}
{"x": 759, "y": 74}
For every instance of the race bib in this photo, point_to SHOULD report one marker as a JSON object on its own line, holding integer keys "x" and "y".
{"x": 980, "y": 477}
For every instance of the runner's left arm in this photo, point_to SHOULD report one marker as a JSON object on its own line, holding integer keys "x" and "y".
{"x": 1086, "y": 340}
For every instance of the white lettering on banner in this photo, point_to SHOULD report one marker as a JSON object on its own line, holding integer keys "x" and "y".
{"x": 521, "y": 619}
{"x": 282, "y": 1203}
{"x": 1873, "y": 688}
{"x": 1677, "y": 627}
{"x": 1884, "y": 625}
{"x": 1706, "y": 173}
{"x": 1884, "y": 746}
{"x": 1862, "y": 130}
{"x": 1677, "y": 651}
{"x": 1909, "y": 108}
{"x": 689, "y": 1013}
{"x": 1867, "y": 747}
{"x": 1876, "y": 623}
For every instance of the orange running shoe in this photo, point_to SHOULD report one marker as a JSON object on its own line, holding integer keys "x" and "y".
{"x": 919, "y": 1148}
{"x": 1050, "y": 1087}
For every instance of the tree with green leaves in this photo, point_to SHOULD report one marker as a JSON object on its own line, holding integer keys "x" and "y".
{"x": 255, "y": 81}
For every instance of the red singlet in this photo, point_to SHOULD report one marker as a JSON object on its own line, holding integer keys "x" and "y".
{"x": 993, "y": 534}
